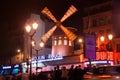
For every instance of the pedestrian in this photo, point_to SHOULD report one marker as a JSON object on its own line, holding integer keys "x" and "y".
{"x": 71, "y": 73}
{"x": 58, "y": 73}
{"x": 64, "y": 73}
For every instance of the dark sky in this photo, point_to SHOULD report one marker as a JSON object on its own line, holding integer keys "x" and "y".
{"x": 14, "y": 13}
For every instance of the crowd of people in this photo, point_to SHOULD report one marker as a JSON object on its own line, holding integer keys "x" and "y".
{"x": 74, "y": 73}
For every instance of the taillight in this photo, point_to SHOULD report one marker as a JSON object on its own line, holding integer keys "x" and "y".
{"x": 87, "y": 76}
{"x": 104, "y": 76}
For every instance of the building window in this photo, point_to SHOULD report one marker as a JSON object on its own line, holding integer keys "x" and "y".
{"x": 70, "y": 43}
{"x": 108, "y": 20}
{"x": 108, "y": 31}
{"x": 60, "y": 42}
{"x": 101, "y": 22}
{"x": 55, "y": 42}
{"x": 86, "y": 24}
{"x": 94, "y": 23}
{"x": 118, "y": 47}
{"x": 60, "y": 37}
{"x": 101, "y": 32}
{"x": 65, "y": 42}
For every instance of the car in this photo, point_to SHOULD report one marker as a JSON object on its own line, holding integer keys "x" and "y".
{"x": 103, "y": 73}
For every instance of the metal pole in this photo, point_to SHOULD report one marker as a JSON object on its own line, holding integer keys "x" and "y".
{"x": 90, "y": 65}
{"x": 30, "y": 58}
{"x": 36, "y": 61}
{"x": 21, "y": 56}
{"x": 21, "y": 62}
{"x": 107, "y": 56}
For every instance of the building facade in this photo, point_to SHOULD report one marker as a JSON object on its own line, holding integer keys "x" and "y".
{"x": 99, "y": 20}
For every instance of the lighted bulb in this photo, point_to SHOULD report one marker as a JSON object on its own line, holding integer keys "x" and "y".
{"x": 35, "y": 25}
{"x": 28, "y": 28}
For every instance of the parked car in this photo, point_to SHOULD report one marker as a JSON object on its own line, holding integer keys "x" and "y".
{"x": 103, "y": 73}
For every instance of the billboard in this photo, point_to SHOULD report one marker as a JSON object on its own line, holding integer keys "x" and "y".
{"x": 90, "y": 46}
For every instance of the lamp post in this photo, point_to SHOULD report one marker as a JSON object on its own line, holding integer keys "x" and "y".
{"x": 21, "y": 58}
{"x": 19, "y": 51}
{"x": 41, "y": 45}
{"x": 80, "y": 40}
{"x": 110, "y": 37}
{"x": 31, "y": 30}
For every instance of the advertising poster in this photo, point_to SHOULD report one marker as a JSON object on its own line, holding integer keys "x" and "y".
{"x": 90, "y": 46}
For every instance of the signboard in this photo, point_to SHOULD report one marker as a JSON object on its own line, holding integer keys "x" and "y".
{"x": 48, "y": 57}
{"x": 6, "y": 67}
{"x": 104, "y": 55}
{"x": 90, "y": 46}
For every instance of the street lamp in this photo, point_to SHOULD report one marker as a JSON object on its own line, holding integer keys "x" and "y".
{"x": 110, "y": 36}
{"x": 21, "y": 56}
{"x": 80, "y": 40}
{"x": 18, "y": 50}
{"x": 41, "y": 44}
{"x": 107, "y": 45}
{"x": 31, "y": 30}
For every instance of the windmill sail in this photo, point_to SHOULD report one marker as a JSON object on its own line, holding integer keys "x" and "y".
{"x": 67, "y": 32}
{"x": 47, "y": 12}
{"x": 47, "y": 35}
{"x": 70, "y": 11}
{"x": 71, "y": 36}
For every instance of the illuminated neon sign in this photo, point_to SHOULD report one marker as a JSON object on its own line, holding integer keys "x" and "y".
{"x": 96, "y": 62}
{"x": 47, "y": 58}
{"x": 16, "y": 66}
{"x": 51, "y": 59}
{"x": 6, "y": 67}
{"x": 104, "y": 55}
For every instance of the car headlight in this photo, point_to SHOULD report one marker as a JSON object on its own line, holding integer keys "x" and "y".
{"x": 116, "y": 77}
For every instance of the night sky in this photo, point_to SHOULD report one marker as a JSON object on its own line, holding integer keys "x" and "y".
{"x": 14, "y": 13}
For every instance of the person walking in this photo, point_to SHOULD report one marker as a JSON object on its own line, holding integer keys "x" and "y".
{"x": 64, "y": 73}
{"x": 71, "y": 73}
{"x": 58, "y": 73}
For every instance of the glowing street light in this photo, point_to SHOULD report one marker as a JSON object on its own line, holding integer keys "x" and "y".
{"x": 18, "y": 50}
{"x": 110, "y": 37}
{"x": 80, "y": 40}
{"x": 31, "y": 30}
{"x": 102, "y": 38}
{"x": 21, "y": 55}
{"x": 35, "y": 26}
{"x": 28, "y": 28}
{"x": 41, "y": 44}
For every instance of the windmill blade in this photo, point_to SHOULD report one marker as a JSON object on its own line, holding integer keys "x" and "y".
{"x": 69, "y": 12}
{"x": 47, "y": 12}
{"x": 47, "y": 35}
{"x": 71, "y": 36}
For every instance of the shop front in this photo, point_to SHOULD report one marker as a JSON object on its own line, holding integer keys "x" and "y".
{"x": 10, "y": 69}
